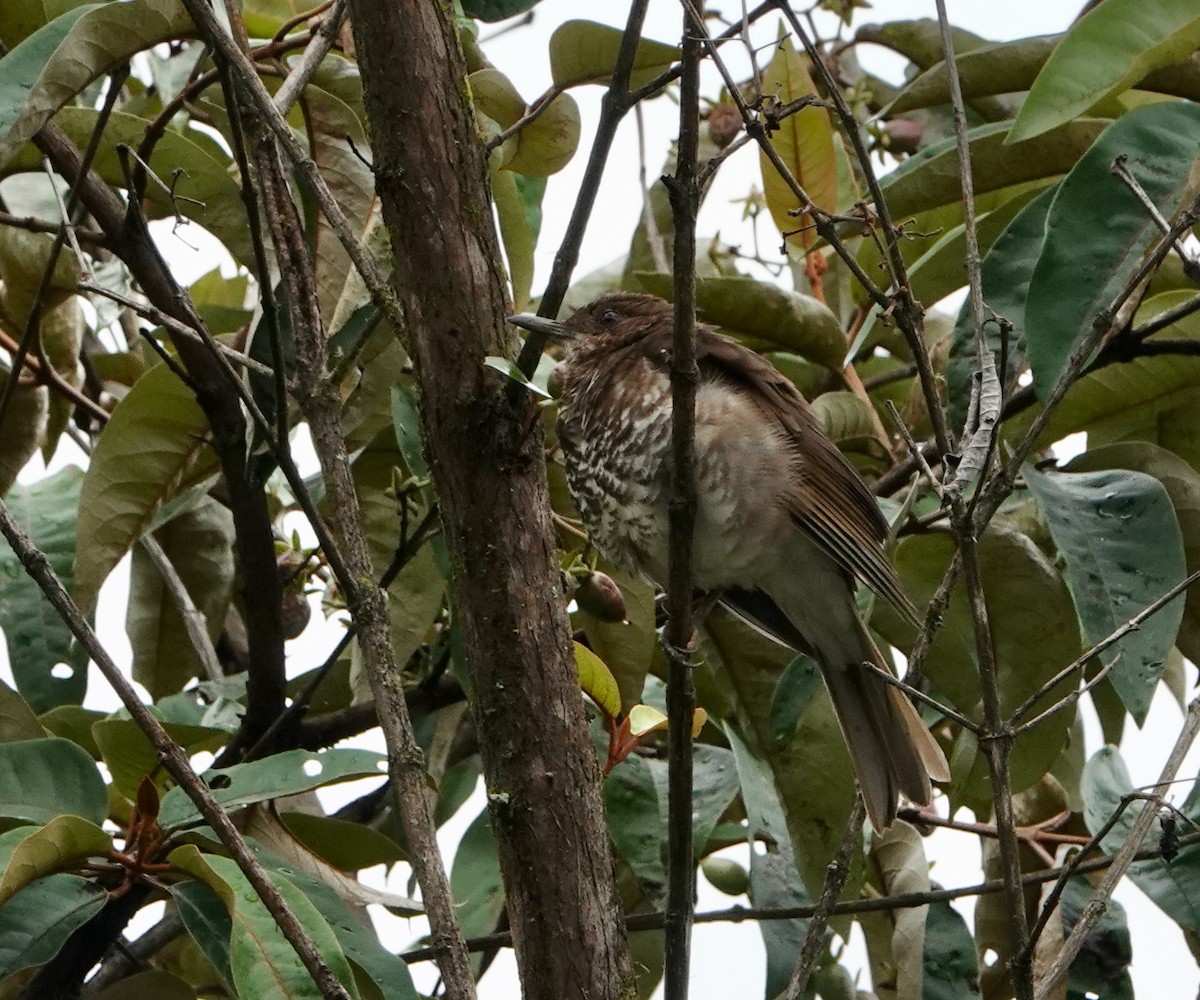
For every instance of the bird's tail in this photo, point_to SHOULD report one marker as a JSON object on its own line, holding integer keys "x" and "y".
{"x": 892, "y": 751}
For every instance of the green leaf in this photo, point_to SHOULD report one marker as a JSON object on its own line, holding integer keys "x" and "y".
{"x": 1035, "y": 633}
{"x": 951, "y": 963}
{"x": 1174, "y": 886}
{"x": 150, "y": 451}
{"x": 1146, "y": 399}
{"x": 25, "y": 426}
{"x": 1122, "y": 547}
{"x": 509, "y": 368}
{"x": 130, "y": 757}
{"x": 919, "y": 40}
{"x": 774, "y": 879}
{"x": 263, "y": 963}
{"x": 1000, "y": 68}
{"x": 597, "y": 681}
{"x": 150, "y": 983}
{"x": 804, "y": 141}
{"x": 1098, "y": 231}
{"x": 42, "y": 779}
{"x": 475, "y": 881}
{"x": 346, "y": 845}
{"x": 37, "y": 921}
{"x": 799, "y": 682}
{"x": 514, "y": 231}
{"x": 284, "y": 774}
{"x": 38, "y": 639}
{"x": 765, "y": 312}
{"x": 59, "y": 64}
{"x": 17, "y": 721}
{"x": 205, "y": 176}
{"x": 1005, "y": 275}
{"x": 1105, "y": 51}
{"x": 815, "y": 801}
{"x": 496, "y": 10}
{"x": 62, "y": 843}
{"x": 845, "y": 416}
{"x": 1182, "y": 484}
{"x": 931, "y": 179}
{"x": 199, "y": 544}
{"x": 22, "y": 66}
{"x": 627, "y": 648}
{"x": 416, "y": 596}
{"x": 586, "y": 52}
{"x": 207, "y": 921}
{"x": 637, "y": 824}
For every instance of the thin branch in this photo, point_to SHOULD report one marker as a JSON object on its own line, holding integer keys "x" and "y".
{"x": 875, "y": 904}
{"x": 317, "y": 50}
{"x": 1116, "y": 636}
{"x": 922, "y": 697}
{"x": 247, "y": 76}
{"x": 33, "y": 224}
{"x": 831, "y": 891}
{"x": 194, "y": 622}
{"x": 1122, "y": 859}
{"x": 681, "y": 505}
{"x": 536, "y": 110}
{"x": 614, "y": 105}
{"x": 174, "y": 760}
{"x": 1121, "y": 169}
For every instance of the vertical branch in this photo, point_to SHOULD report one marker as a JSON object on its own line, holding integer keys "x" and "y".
{"x": 684, "y": 192}
{"x": 997, "y": 740}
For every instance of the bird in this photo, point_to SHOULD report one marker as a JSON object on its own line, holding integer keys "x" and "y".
{"x": 784, "y": 526}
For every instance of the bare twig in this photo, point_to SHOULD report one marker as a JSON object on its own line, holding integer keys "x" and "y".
{"x": 174, "y": 760}
{"x": 835, "y": 880}
{"x": 317, "y": 50}
{"x": 1120, "y": 167}
{"x": 1122, "y": 859}
{"x": 536, "y": 109}
{"x": 922, "y": 697}
{"x": 685, "y": 377}
{"x": 614, "y": 105}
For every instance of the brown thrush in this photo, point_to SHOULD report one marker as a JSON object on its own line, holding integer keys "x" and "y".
{"x": 784, "y": 523}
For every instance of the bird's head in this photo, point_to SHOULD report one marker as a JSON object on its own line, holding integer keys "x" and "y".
{"x": 613, "y": 320}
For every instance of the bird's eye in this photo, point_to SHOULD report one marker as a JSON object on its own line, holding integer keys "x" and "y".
{"x": 609, "y": 316}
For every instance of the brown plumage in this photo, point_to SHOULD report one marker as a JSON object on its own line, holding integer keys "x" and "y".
{"x": 784, "y": 523}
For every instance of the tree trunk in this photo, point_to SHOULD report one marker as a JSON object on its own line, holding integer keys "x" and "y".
{"x": 538, "y": 762}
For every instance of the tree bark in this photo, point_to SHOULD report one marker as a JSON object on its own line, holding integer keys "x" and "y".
{"x": 487, "y": 464}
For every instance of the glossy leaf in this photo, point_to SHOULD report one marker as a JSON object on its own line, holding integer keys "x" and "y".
{"x": 207, "y": 921}
{"x": 951, "y": 964}
{"x": 1174, "y": 886}
{"x": 1182, "y": 483}
{"x": 637, "y": 824}
{"x": 475, "y": 879}
{"x": 37, "y": 921}
{"x": 206, "y": 176}
{"x": 627, "y": 647}
{"x": 130, "y": 757}
{"x": 42, "y": 779}
{"x": 1108, "y": 49}
{"x": 150, "y": 451}
{"x": 262, "y": 962}
{"x": 514, "y": 231}
{"x": 1035, "y": 634}
{"x": 815, "y": 801}
{"x": 586, "y": 52}
{"x": 764, "y": 312}
{"x": 64, "y": 62}
{"x": 1120, "y": 540}
{"x": 38, "y": 639}
{"x": 199, "y": 544}
{"x": 62, "y": 843}
{"x": 287, "y": 773}
{"x": 774, "y": 880}
{"x": 1005, "y": 275}
{"x": 597, "y": 680}
{"x": 347, "y": 845}
{"x": 804, "y": 141}
{"x": 1098, "y": 230}
{"x": 930, "y": 179}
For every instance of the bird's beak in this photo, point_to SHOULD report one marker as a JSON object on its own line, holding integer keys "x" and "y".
{"x": 551, "y": 328}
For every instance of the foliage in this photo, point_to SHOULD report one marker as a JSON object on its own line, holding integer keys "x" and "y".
{"x": 1069, "y": 557}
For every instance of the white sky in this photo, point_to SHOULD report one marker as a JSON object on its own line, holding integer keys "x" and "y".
{"x": 727, "y": 958}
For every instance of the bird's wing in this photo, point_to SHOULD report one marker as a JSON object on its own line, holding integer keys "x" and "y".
{"x": 827, "y": 497}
